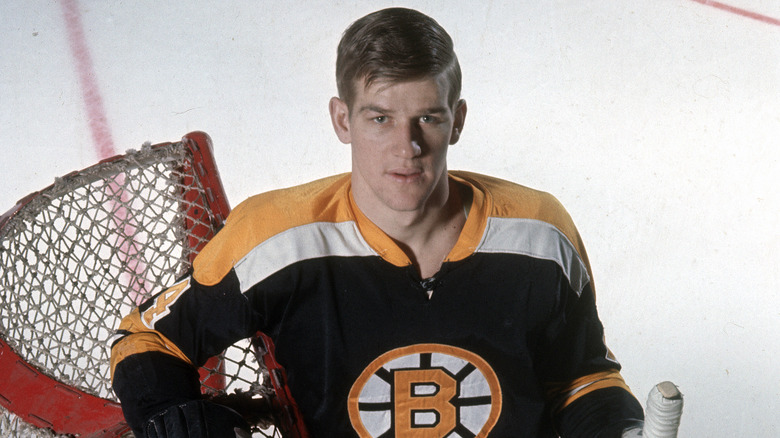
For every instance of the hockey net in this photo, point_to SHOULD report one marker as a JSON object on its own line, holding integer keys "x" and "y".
{"x": 80, "y": 254}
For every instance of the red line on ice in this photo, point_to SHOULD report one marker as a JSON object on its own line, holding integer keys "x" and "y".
{"x": 740, "y": 11}
{"x": 103, "y": 142}
{"x": 98, "y": 122}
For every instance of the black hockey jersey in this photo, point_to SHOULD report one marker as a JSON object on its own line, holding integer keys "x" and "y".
{"x": 504, "y": 340}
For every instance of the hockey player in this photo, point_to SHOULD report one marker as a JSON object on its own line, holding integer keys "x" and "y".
{"x": 404, "y": 299}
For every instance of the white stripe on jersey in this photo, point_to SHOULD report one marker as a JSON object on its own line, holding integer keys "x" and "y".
{"x": 319, "y": 239}
{"x": 538, "y": 239}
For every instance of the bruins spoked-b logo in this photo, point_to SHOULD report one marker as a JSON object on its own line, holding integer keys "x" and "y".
{"x": 425, "y": 391}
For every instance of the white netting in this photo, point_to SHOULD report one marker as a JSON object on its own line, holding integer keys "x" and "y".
{"x": 87, "y": 250}
{"x": 12, "y": 426}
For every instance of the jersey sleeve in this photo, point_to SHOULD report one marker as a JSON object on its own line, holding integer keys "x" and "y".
{"x": 163, "y": 341}
{"x": 189, "y": 321}
{"x": 586, "y": 392}
{"x": 160, "y": 344}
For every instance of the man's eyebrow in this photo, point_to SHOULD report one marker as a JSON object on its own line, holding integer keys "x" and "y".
{"x": 436, "y": 110}
{"x": 377, "y": 109}
{"x": 373, "y": 108}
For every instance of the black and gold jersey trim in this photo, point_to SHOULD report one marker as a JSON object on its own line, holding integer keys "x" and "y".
{"x": 271, "y": 231}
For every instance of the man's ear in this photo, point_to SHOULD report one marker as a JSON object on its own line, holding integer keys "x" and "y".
{"x": 339, "y": 115}
{"x": 460, "y": 120}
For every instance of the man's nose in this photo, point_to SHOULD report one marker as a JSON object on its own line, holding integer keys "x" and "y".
{"x": 407, "y": 141}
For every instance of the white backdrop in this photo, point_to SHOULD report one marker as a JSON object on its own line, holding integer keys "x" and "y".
{"x": 655, "y": 123}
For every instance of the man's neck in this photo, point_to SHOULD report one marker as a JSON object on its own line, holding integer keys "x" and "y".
{"x": 426, "y": 235}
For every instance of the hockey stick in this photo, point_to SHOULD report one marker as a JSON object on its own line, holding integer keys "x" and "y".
{"x": 77, "y": 256}
{"x": 663, "y": 412}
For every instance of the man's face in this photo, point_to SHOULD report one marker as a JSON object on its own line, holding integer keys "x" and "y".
{"x": 400, "y": 133}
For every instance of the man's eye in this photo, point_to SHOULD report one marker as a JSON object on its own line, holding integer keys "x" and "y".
{"x": 427, "y": 119}
{"x": 380, "y": 119}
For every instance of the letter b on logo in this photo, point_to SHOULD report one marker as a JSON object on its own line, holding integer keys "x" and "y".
{"x": 423, "y": 402}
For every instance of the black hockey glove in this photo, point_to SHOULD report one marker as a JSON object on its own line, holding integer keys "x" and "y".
{"x": 196, "y": 419}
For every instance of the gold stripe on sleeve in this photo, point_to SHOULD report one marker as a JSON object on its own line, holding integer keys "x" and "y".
{"x": 141, "y": 340}
{"x": 565, "y": 394}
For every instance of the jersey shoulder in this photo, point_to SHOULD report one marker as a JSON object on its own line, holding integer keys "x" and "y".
{"x": 268, "y": 214}
{"x": 314, "y": 201}
{"x": 507, "y": 210}
{"x": 507, "y": 199}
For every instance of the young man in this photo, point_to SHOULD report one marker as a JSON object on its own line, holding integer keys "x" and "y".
{"x": 403, "y": 299}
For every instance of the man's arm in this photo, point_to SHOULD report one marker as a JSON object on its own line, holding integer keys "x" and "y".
{"x": 161, "y": 344}
{"x": 588, "y": 396}
{"x": 603, "y": 413}
{"x": 147, "y": 383}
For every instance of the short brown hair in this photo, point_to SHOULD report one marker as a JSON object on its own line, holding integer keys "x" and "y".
{"x": 395, "y": 44}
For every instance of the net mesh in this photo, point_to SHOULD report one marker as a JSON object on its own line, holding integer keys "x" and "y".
{"x": 89, "y": 249}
